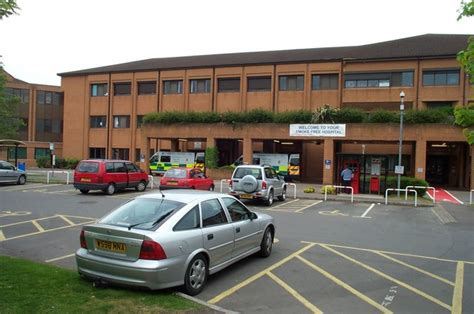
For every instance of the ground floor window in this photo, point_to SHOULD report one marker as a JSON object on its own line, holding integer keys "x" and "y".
{"x": 96, "y": 153}
{"x": 42, "y": 152}
{"x": 120, "y": 153}
{"x": 21, "y": 153}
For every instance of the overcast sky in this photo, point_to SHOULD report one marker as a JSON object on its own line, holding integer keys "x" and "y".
{"x": 53, "y": 36}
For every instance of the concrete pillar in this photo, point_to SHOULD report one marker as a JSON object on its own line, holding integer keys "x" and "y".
{"x": 328, "y": 177}
{"x": 420, "y": 159}
{"x": 174, "y": 145}
{"x": 210, "y": 142}
{"x": 247, "y": 151}
{"x": 146, "y": 146}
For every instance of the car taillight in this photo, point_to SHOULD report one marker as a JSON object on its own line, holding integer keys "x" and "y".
{"x": 82, "y": 238}
{"x": 152, "y": 250}
{"x": 264, "y": 185}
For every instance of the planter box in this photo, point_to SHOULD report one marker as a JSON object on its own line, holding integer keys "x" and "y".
{"x": 218, "y": 174}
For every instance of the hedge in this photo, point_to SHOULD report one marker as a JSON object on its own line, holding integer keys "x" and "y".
{"x": 61, "y": 163}
{"x": 407, "y": 181}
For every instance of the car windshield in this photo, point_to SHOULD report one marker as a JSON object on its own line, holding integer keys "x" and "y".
{"x": 176, "y": 173}
{"x": 87, "y": 166}
{"x": 141, "y": 213}
{"x": 242, "y": 172}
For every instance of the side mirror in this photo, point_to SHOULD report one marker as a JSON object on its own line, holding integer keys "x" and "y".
{"x": 253, "y": 216}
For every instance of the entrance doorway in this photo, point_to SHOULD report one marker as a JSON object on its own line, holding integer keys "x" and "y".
{"x": 437, "y": 170}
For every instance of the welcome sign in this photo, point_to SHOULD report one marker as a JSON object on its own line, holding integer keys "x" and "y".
{"x": 320, "y": 130}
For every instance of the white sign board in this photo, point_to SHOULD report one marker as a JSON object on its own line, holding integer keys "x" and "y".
{"x": 197, "y": 145}
{"x": 320, "y": 130}
{"x": 399, "y": 169}
{"x": 375, "y": 169}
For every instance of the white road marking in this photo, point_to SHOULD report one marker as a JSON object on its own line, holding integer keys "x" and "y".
{"x": 303, "y": 208}
{"x": 367, "y": 211}
{"x": 60, "y": 258}
{"x": 460, "y": 202}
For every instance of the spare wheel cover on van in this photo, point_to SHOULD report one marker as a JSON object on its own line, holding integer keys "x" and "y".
{"x": 249, "y": 184}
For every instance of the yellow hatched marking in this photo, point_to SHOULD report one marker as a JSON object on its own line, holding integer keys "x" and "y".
{"x": 457, "y": 295}
{"x": 2, "y": 236}
{"x": 303, "y": 208}
{"x": 251, "y": 279}
{"x": 27, "y": 221}
{"x": 416, "y": 268}
{"x": 295, "y": 294}
{"x": 400, "y": 283}
{"x": 286, "y": 203}
{"x": 81, "y": 217}
{"x": 341, "y": 283}
{"x": 66, "y": 220}
{"x": 46, "y": 231}
{"x": 37, "y": 225}
{"x": 60, "y": 258}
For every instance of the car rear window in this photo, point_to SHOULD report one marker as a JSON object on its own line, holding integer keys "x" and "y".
{"x": 242, "y": 172}
{"x": 87, "y": 166}
{"x": 175, "y": 173}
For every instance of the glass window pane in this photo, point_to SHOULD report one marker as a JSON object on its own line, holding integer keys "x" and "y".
{"x": 440, "y": 79}
{"x": 228, "y": 84}
{"x": 259, "y": 83}
{"x": 407, "y": 79}
{"x": 384, "y": 83}
{"x": 146, "y": 88}
{"x": 122, "y": 89}
{"x": 300, "y": 82}
{"x": 315, "y": 83}
{"x": 212, "y": 213}
{"x": 361, "y": 83}
{"x": 350, "y": 84}
{"x": 190, "y": 221}
{"x": 453, "y": 78}
{"x": 428, "y": 79}
{"x": 283, "y": 83}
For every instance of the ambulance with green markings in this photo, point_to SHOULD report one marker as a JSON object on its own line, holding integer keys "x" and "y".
{"x": 162, "y": 161}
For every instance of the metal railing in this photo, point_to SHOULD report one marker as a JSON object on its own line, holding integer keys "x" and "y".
{"x": 470, "y": 197}
{"x": 224, "y": 180}
{"x": 294, "y": 189}
{"x": 341, "y": 187}
{"x": 151, "y": 181}
{"x": 420, "y": 187}
{"x": 53, "y": 172}
{"x": 401, "y": 190}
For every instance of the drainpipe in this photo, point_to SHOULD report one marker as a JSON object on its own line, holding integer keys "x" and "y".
{"x": 110, "y": 118}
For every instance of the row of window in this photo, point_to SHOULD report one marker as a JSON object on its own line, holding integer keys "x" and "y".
{"x": 42, "y": 97}
{"x": 22, "y": 153}
{"x": 117, "y": 153}
{"x": 286, "y": 83}
{"x": 119, "y": 122}
{"x": 22, "y": 94}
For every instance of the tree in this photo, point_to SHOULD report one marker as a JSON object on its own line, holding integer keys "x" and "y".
{"x": 466, "y": 56}
{"x": 10, "y": 122}
{"x": 7, "y": 8}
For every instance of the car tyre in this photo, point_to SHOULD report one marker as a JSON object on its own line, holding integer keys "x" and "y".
{"x": 211, "y": 188}
{"x": 83, "y": 191}
{"x": 282, "y": 197}
{"x": 141, "y": 186}
{"x": 267, "y": 243}
{"x": 196, "y": 275}
{"x": 269, "y": 201}
{"x": 21, "y": 180}
{"x": 110, "y": 189}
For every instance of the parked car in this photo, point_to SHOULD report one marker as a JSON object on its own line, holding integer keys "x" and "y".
{"x": 108, "y": 176}
{"x": 11, "y": 174}
{"x": 185, "y": 178}
{"x": 172, "y": 238}
{"x": 257, "y": 182}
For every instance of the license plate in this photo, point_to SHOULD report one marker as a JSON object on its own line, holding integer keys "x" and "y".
{"x": 246, "y": 196}
{"x": 172, "y": 183}
{"x": 85, "y": 180}
{"x": 111, "y": 246}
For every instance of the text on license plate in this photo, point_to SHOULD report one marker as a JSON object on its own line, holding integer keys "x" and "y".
{"x": 246, "y": 196}
{"x": 85, "y": 180}
{"x": 111, "y": 246}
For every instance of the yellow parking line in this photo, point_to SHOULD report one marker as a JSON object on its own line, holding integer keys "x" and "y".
{"x": 416, "y": 268}
{"x": 251, "y": 279}
{"x": 391, "y": 253}
{"x": 341, "y": 283}
{"x": 37, "y": 225}
{"x": 81, "y": 217}
{"x": 66, "y": 220}
{"x": 2, "y": 236}
{"x": 400, "y": 283}
{"x": 46, "y": 231}
{"x": 27, "y": 221}
{"x": 60, "y": 258}
{"x": 295, "y": 294}
{"x": 315, "y": 203}
{"x": 286, "y": 203}
{"x": 457, "y": 295}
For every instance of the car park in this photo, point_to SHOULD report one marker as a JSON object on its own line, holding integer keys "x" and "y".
{"x": 184, "y": 178}
{"x": 257, "y": 182}
{"x": 172, "y": 238}
{"x": 11, "y": 174}
{"x": 108, "y": 176}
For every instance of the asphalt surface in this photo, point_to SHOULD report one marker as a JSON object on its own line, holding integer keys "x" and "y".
{"x": 333, "y": 256}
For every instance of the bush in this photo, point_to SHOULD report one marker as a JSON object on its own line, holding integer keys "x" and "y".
{"x": 383, "y": 116}
{"x": 43, "y": 162}
{"x": 427, "y": 116}
{"x": 407, "y": 181}
{"x": 232, "y": 117}
{"x": 349, "y": 115}
{"x": 211, "y": 157}
{"x": 330, "y": 189}
{"x": 309, "y": 189}
{"x": 258, "y": 116}
{"x": 294, "y": 116}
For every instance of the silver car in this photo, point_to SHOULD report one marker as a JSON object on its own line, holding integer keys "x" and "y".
{"x": 10, "y": 174}
{"x": 177, "y": 238}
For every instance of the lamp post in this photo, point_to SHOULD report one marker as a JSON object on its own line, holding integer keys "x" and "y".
{"x": 402, "y": 108}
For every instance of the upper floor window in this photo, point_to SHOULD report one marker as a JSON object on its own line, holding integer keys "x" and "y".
{"x": 139, "y": 121}
{"x": 122, "y": 89}
{"x": 99, "y": 90}
{"x": 259, "y": 84}
{"x": 98, "y": 121}
{"x": 46, "y": 98}
{"x": 147, "y": 88}
{"x": 121, "y": 122}
{"x": 291, "y": 82}
{"x": 173, "y": 87}
{"x": 440, "y": 77}
{"x": 22, "y": 94}
{"x": 378, "y": 79}
{"x": 228, "y": 84}
{"x": 325, "y": 81}
{"x": 200, "y": 86}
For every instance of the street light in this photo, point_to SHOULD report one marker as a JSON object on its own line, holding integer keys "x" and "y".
{"x": 400, "y": 171}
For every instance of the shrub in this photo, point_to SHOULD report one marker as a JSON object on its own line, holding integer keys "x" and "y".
{"x": 349, "y": 115}
{"x": 330, "y": 189}
{"x": 426, "y": 116}
{"x": 464, "y": 116}
{"x": 309, "y": 189}
{"x": 43, "y": 162}
{"x": 407, "y": 181}
{"x": 383, "y": 116}
{"x": 294, "y": 116}
{"x": 211, "y": 157}
{"x": 324, "y": 114}
{"x": 258, "y": 116}
{"x": 232, "y": 117}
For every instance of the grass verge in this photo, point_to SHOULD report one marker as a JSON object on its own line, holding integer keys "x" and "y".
{"x": 28, "y": 287}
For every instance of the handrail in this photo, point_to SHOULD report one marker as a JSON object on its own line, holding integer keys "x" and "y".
{"x": 341, "y": 187}
{"x": 420, "y": 187}
{"x": 52, "y": 172}
{"x": 470, "y": 197}
{"x": 151, "y": 181}
{"x": 294, "y": 190}
{"x": 401, "y": 190}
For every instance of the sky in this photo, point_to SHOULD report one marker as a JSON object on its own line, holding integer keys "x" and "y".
{"x": 54, "y": 36}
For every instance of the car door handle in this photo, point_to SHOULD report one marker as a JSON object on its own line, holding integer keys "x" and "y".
{"x": 210, "y": 236}
{"x": 237, "y": 229}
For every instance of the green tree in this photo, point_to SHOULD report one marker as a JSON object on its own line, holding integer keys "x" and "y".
{"x": 466, "y": 56}
{"x": 10, "y": 122}
{"x": 7, "y": 8}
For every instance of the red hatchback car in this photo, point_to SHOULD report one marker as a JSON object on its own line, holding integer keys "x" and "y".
{"x": 185, "y": 178}
{"x": 109, "y": 176}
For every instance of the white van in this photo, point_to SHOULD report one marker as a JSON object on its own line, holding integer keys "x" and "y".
{"x": 162, "y": 161}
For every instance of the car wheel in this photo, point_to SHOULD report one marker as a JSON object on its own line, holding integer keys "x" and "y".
{"x": 211, "y": 188}
{"x": 196, "y": 275}
{"x": 84, "y": 191}
{"x": 21, "y": 180}
{"x": 267, "y": 243}
{"x": 141, "y": 186}
{"x": 282, "y": 197}
{"x": 269, "y": 201}
{"x": 110, "y": 189}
